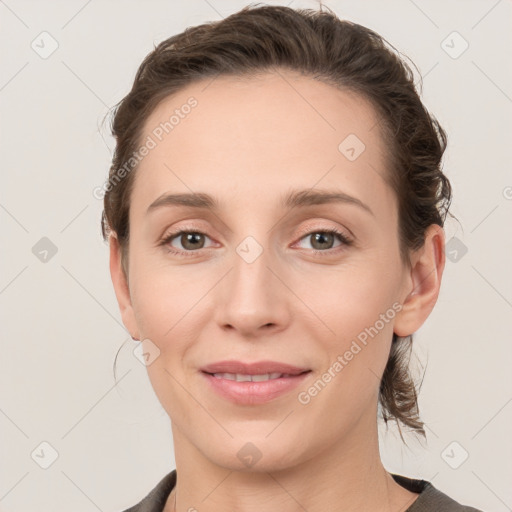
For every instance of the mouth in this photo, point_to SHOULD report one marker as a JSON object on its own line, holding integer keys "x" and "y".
{"x": 247, "y": 386}
{"x": 256, "y": 368}
{"x": 242, "y": 377}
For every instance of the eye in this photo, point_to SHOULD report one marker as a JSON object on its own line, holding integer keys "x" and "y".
{"x": 322, "y": 240}
{"x": 190, "y": 241}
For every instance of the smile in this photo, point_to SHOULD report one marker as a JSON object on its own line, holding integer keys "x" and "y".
{"x": 253, "y": 389}
{"x": 240, "y": 377}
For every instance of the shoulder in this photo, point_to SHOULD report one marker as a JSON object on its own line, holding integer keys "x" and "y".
{"x": 155, "y": 500}
{"x": 430, "y": 499}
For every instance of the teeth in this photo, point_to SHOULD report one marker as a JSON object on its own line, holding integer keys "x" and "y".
{"x": 249, "y": 378}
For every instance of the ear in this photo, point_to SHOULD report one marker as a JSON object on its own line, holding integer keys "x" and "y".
{"x": 121, "y": 288}
{"x": 423, "y": 283}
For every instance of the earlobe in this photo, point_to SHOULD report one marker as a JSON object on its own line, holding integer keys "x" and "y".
{"x": 121, "y": 287}
{"x": 424, "y": 282}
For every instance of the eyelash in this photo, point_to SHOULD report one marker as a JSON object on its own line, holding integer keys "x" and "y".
{"x": 345, "y": 241}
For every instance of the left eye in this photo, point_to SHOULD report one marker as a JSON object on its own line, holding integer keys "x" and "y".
{"x": 322, "y": 240}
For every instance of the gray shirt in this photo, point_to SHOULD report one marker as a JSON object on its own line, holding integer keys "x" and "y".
{"x": 429, "y": 500}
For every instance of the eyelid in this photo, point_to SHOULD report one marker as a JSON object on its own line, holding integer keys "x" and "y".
{"x": 195, "y": 228}
{"x": 313, "y": 227}
{"x": 345, "y": 240}
{"x": 316, "y": 225}
{"x": 171, "y": 235}
{"x": 308, "y": 230}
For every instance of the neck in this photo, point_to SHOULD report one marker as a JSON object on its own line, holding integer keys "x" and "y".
{"x": 348, "y": 476}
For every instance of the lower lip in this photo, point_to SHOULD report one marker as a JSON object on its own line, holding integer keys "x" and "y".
{"x": 253, "y": 393}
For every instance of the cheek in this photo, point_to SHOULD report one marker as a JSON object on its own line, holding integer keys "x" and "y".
{"x": 172, "y": 308}
{"x": 355, "y": 306}
{"x": 161, "y": 297}
{"x": 167, "y": 313}
{"x": 350, "y": 299}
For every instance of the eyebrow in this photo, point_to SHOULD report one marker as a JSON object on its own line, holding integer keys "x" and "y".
{"x": 294, "y": 199}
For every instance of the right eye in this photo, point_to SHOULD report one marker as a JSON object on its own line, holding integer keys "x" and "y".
{"x": 190, "y": 241}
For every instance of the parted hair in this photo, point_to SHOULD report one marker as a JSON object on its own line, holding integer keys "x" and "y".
{"x": 317, "y": 44}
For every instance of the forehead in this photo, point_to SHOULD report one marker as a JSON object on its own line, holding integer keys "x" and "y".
{"x": 252, "y": 135}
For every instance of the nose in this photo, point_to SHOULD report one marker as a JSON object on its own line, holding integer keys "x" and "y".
{"x": 253, "y": 298}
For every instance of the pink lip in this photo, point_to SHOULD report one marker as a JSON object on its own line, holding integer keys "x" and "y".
{"x": 257, "y": 367}
{"x": 253, "y": 393}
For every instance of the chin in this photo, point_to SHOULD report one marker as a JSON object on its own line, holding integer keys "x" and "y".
{"x": 256, "y": 454}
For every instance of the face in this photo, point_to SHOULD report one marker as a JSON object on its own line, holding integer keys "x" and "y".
{"x": 313, "y": 283}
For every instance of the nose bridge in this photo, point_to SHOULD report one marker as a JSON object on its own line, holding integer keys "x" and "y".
{"x": 252, "y": 295}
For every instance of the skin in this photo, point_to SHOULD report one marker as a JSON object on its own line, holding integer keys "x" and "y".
{"x": 248, "y": 142}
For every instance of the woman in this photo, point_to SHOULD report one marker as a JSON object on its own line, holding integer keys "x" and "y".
{"x": 275, "y": 212}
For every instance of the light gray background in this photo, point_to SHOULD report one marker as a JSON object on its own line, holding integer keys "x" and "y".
{"x": 60, "y": 325}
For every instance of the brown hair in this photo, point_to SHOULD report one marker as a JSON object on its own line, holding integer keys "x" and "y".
{"x": 337, "y": 52}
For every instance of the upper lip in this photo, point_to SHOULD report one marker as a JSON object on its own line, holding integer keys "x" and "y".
{"x": 258, "y": 367}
